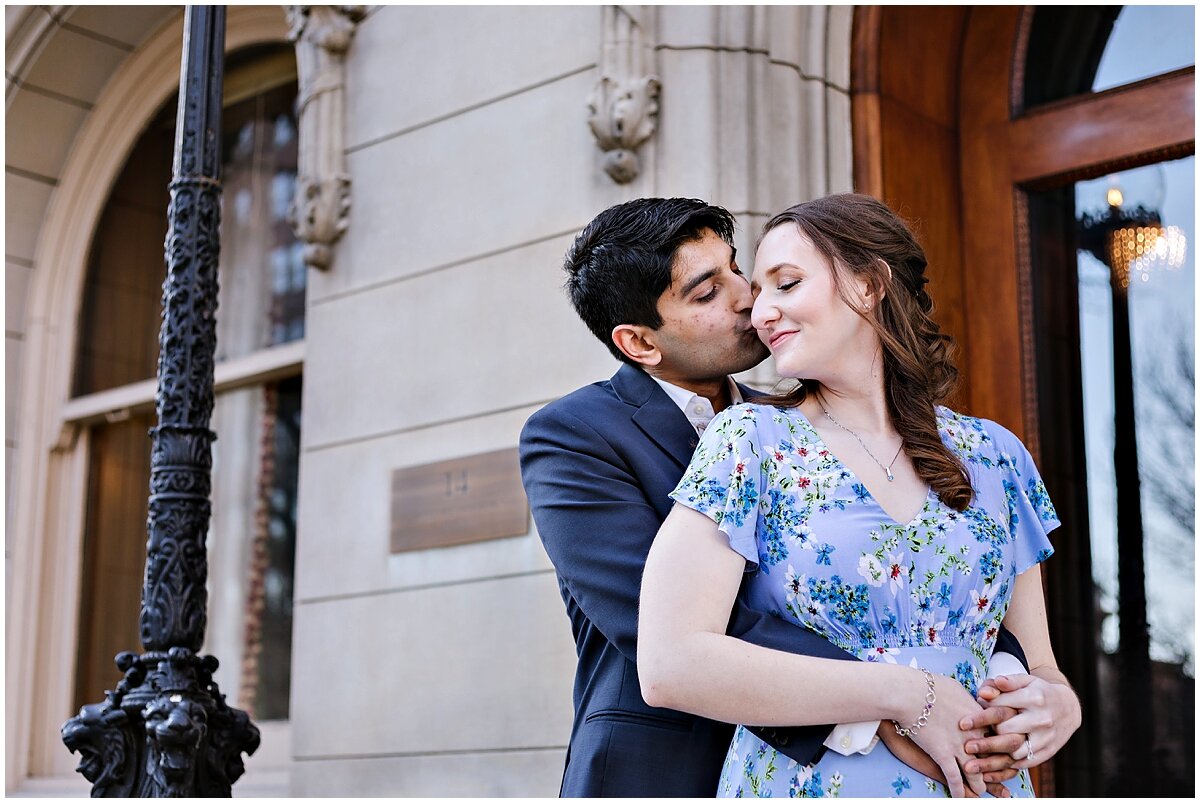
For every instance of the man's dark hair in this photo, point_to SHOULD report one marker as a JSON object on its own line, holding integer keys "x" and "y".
{"x": 620, "y": 264}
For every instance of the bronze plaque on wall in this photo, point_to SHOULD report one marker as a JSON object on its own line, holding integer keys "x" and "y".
{"x": 458, "y": 501}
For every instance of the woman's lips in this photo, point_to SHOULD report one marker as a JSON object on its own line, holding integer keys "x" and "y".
{"x": 780, "y": 337}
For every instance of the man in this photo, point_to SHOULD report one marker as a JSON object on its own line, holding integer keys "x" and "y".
{"x": 657, "y": 282}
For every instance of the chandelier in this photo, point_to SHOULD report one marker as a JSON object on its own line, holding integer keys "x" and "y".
{"x": 1132, "y": 242}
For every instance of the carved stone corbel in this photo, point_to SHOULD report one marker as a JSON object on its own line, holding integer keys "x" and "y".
{"x": 320, "y": 211}
{"x": 624, "y": 104}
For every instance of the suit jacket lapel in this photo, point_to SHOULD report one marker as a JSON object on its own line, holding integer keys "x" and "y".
{"x": 749, "y": 393}
{"x": 657, "y": 416}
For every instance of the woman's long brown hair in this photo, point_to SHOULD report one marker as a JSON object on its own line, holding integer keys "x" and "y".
{"x": 859, "y": 234}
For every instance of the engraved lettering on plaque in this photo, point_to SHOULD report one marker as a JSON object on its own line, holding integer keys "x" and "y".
{"x": 458, "y": 501}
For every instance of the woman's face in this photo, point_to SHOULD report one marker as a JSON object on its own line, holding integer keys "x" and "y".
{"x": 799, "y": 314}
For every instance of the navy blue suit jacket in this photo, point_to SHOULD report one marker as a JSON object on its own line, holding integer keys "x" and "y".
{"x": 598, "y": 466}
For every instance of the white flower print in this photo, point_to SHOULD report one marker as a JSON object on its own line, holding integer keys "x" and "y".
{"x": 881, "y": 654}
{"x": 797, "y": 586}
{"x": 871, "y": 570}
{"x": 981, "y": 601}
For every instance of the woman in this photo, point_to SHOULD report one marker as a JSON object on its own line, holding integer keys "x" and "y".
{"x": 898, "y": 529}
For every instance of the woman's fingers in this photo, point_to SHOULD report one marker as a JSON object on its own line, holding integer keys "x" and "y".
{"x": 1022, "y": 723}
{"x": 1010, "y": 682}
{"x": 1004, "y": 744}
{"x": 975, "y": 781}
{"x": 1025, "y": 697}
{"x": 953, "y": 775}
{"x": 987, "y": 718}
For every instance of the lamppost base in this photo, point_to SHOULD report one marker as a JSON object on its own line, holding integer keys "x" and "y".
{"x": 165, "y": 732}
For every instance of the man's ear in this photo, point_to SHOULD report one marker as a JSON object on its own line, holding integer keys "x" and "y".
{"x": 636, "y": 343}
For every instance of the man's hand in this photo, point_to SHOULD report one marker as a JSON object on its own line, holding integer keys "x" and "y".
{"x": 904, "y": 749}
{"x": 1047, "y": 713}
{"x": 993, "y": 752}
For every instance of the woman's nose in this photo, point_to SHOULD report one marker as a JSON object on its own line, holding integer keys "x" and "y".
{"x": 763, "y": 313}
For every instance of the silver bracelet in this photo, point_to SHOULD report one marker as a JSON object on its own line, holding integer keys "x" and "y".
{"x": 923, "y": 720}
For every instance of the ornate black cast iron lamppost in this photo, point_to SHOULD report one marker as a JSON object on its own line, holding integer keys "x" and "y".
{"x": 166, "y": 730}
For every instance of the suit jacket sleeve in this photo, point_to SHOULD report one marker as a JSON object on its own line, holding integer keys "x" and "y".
{"x": 593, "y": 518}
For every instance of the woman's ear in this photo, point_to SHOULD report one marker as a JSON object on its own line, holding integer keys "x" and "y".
{"x": 875, "y": 291}
{"x": 637, "y": 343}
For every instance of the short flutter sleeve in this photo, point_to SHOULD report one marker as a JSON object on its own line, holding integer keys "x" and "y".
{"x": 724, "y": 480}
{"x": 1031, "y": 514}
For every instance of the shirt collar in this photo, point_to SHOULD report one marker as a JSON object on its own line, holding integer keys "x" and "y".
{"x": 698, "y": 409}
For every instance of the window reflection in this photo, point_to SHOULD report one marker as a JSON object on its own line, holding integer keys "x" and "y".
{"x": 1161, "y": 321}
{"x": 1136, "y": 345}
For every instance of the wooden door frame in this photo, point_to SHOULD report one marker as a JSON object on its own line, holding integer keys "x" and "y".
{"x": 972, "y": 215}
{"x": 979, "y": 254}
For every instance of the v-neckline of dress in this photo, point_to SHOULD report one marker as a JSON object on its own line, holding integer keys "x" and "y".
{"x": 808, "y": 425}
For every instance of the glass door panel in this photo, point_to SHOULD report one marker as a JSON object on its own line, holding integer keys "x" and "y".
{"x": 1114, "y": 293}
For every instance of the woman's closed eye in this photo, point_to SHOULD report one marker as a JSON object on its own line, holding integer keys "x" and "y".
{"x": 788, "y": 285}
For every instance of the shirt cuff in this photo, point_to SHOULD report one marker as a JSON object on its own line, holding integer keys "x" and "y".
{"x": 850, "y": 738}
{"x": 1004, "y": 663}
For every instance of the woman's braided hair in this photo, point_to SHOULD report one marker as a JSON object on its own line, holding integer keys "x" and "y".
{"x": 861, "y": 236}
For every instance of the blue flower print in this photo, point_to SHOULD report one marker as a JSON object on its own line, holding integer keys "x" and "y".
{"x": 984, "y": 527}
{"x": 888, "y": 622}
{"x": 933, "y": 592}
{"x": 1043, "y": 554}
{"x": 850, "y": 602}
{"x": 965, "y": 675}
{"x": 1041, "y": 500}
{"x": 991, "y": 564}
{"x": 812, "y": 787}
{"x": 943, "y": 596}
{"x": 923, "y": 600}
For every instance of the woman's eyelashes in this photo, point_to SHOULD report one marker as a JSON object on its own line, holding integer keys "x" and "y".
{"x": 788, "y": 285}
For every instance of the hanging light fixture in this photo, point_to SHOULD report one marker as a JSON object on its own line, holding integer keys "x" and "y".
{"x": 1132, "y": 242}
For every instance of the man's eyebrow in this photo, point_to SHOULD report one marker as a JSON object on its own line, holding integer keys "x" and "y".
{"x": 698, "y": 280}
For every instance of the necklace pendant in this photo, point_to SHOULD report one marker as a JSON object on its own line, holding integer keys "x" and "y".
{"x": 891, "y": 477}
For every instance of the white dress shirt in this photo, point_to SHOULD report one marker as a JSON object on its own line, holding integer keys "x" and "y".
{"x": 848, "y": 737}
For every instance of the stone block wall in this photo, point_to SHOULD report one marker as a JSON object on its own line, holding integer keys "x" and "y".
{"x": 442, "y": 326}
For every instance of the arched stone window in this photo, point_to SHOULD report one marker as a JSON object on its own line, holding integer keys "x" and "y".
{"x": 261, "y": 308}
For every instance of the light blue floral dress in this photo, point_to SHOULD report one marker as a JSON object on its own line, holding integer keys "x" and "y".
{"x": 931, "y": 592}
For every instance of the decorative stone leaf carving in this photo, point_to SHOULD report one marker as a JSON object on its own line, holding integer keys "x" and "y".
{"x": 320, "y": 211}
{"x": 623, "y": 107}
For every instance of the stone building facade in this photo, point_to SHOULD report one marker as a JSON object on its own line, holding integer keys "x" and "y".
{"x": 475, "y": 142}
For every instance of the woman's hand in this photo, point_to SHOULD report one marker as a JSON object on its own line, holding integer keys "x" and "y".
{"x": 1047, "y": 714}
{"x": 942, "y": 739}
{"x": 903, "y": 748}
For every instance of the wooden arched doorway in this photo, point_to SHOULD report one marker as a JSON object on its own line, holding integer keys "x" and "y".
{"x": 953, "y": 127}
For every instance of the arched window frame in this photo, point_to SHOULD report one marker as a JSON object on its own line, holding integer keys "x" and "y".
{"x": 49, "y": 473}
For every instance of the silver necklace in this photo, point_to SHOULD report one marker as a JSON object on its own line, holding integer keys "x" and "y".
{"x": 886, "y": 469}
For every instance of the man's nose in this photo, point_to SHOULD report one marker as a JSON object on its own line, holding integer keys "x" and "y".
{"x": 743, "y": 299}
